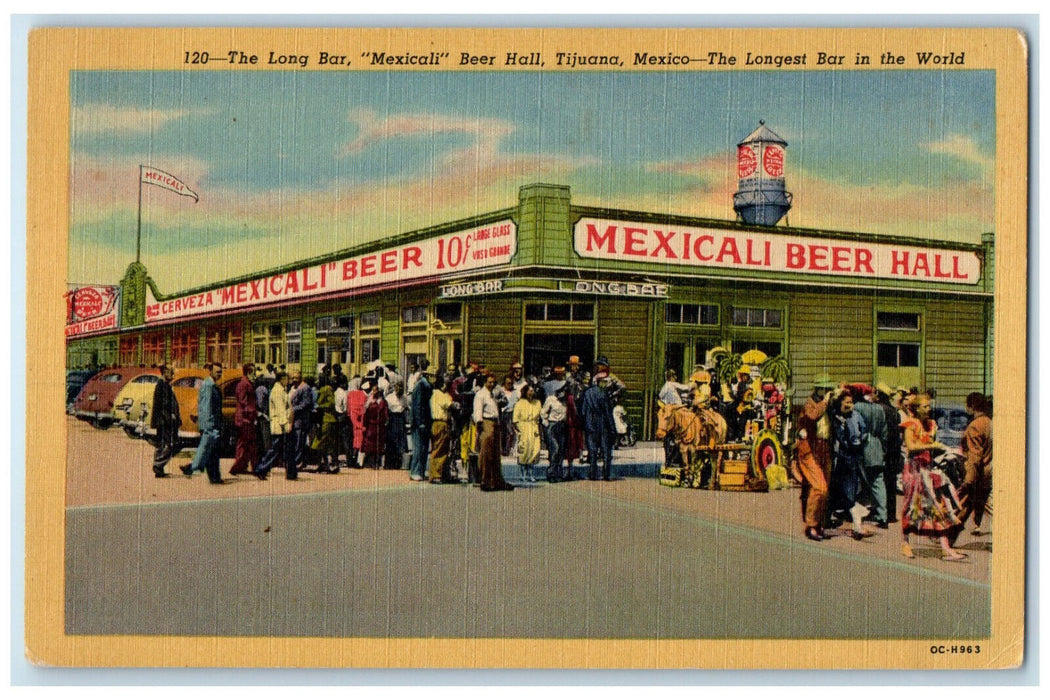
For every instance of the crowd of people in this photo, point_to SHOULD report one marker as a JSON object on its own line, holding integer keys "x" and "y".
{"x": 854, "y": 442}
{"x": 454, "y": 423}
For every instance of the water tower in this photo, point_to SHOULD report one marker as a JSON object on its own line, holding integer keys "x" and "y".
{"x": 761, "y": 198}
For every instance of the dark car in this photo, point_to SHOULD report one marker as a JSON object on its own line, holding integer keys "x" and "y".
{"x": 951, "y": 424}
{"x": 95, "y": 401}
{"x": 75, "y": 381}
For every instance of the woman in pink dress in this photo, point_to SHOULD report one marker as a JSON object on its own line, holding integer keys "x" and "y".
{"x": 355, "y": 409}
{"x": 930, "y": 503}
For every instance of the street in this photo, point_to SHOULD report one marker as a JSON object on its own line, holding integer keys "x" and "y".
{"x": 372, "y": 554}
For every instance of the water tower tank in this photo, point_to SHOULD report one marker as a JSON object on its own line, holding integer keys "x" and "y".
{"x": 760, "y": 197}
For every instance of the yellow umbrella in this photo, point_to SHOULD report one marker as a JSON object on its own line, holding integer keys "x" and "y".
{"x": 754, "y": 357}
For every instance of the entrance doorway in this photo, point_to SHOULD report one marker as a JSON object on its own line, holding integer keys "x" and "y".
{"x": 553, "y": 349}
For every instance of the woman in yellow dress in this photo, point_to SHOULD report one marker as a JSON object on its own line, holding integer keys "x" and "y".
{"x": 526, "y": 419}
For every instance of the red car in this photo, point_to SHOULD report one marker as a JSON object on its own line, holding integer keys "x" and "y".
{"x": 94, "y": 403}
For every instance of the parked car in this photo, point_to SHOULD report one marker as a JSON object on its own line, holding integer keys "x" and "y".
{"x": 75, "y": 381}
{"x": 134, "y": 400}
{"x": 96, "y": 399}
{"x": 951, "y": 424}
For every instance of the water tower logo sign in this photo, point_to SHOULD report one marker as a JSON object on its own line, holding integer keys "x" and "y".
{"x": 746, "y": 163}
{"x": 773, "y": 161}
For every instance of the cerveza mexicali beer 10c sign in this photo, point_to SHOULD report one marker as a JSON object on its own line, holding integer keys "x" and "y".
{"x": 720, "y": 248}
{"x": 471, "y": 249}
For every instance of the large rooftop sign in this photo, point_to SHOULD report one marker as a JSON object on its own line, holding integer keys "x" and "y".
{"x": 606, "y": 239}
{"x": 470, "y": 249}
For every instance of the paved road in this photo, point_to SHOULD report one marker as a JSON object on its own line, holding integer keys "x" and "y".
{"x": 372, "y": 554}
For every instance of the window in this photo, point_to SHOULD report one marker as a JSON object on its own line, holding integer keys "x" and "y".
{"x": 756, "y": 318}
{"x": 899, "y": 354}
{"x": 414, "y": 314}
{"x": 448, "y": 313}
{"x": 223, "y": 344}
{"x": 771, "y": 349}
{"x": 897, "y": 321}
{"x": 293, "y": 333}
{"x": 128, "y": 352}
{"x": 693, "y": 314}
{"x": 184, "y": 347}
{"x": 369, "y": 349}
{"x": 334, "y": 344}
{"x": 146, "y": 379}
{"x": 153, "y": 349}
{"x": 370, "y": 319}
{"x": 188, "y": 382}
{"x": 559, "y": 312}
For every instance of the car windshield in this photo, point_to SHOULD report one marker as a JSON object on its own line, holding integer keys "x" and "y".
{"x": 146, "y": 379}
{"x": 188, "y": 382}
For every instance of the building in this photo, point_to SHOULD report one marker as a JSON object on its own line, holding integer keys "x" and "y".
{"x": 547, "y": 278}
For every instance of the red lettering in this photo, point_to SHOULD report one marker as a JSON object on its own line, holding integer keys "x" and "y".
{"x": 818, "y": 257}
{"x": 937, "y": 268}
{"x": 274, "y": 289}
{"x": 921, "y": 261}
{"x": 368, "y": 266}
{"x": 634, "y": 244}
{"x": 955, "y": 269}
{"x": 256, "y": 285}
{"x": 749, "y": 247}
{"x": 685, "y": 248}
{"x": 900, "y": 262}
{"x": 840, "y": 258}
{"x": 388, "y": 261}
{"x": 863, "y": 260}
{"x": 594, "y": 239}
{"x": 242, "y": 293}
{"x": 796, "y": 256}
{"x": 696, "y": 247}
{"x": 412, "y": 254}
{"x": 306, "y": 281}
{"x": 729, "y": 247}
{"x": 228, "y": 295}
{"x": 291, "y": 284}
{"x": 663, "y": 244}
{"x": 349, "y": 269}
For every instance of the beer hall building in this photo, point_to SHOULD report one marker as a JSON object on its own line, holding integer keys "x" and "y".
{"x": 547, "y": 278}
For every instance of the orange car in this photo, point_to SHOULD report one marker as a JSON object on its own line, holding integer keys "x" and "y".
{"x": 186, "y": 386}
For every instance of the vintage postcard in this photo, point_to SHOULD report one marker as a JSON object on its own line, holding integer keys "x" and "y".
{"x": 526, "y": 348}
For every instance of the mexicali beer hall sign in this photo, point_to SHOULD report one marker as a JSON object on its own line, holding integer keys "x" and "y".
{"x": 710, "y": 247}
{"x": 471, "y": 249}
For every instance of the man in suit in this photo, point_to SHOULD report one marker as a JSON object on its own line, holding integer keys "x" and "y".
{"x": 422, "y": 419}
{"x": 599, "y": 428}
{"x": 166, "y": 420}
{"x": 301, "y": 398}
{"x": 209, "y": 422}
{"x": 246, "y": 457}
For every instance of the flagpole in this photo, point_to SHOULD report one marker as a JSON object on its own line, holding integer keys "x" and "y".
{"x": 138, "y": 233}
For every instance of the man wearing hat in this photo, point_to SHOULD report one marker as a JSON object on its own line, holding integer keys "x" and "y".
{"x": 894, "y": 457}
{"x": 596, "y": 412}
{"x": 813, "y": 457}
{"x": 873, "y": 484}
{"x": 421, "y": 422}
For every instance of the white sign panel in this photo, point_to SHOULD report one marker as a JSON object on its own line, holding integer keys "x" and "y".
{"x": 746, "y": 250}
{"x": 471, "y": 249}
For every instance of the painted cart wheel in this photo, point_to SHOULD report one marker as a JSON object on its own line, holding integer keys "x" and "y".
{"x": 765, "y": 452}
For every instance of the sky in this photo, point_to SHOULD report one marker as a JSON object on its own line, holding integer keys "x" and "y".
{"x": 293, "y": 164}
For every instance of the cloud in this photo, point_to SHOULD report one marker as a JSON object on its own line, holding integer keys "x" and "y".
{"x": 103, "y": 118}
{"x": 962, "y": 147}
{"x": 486, "y": 133}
